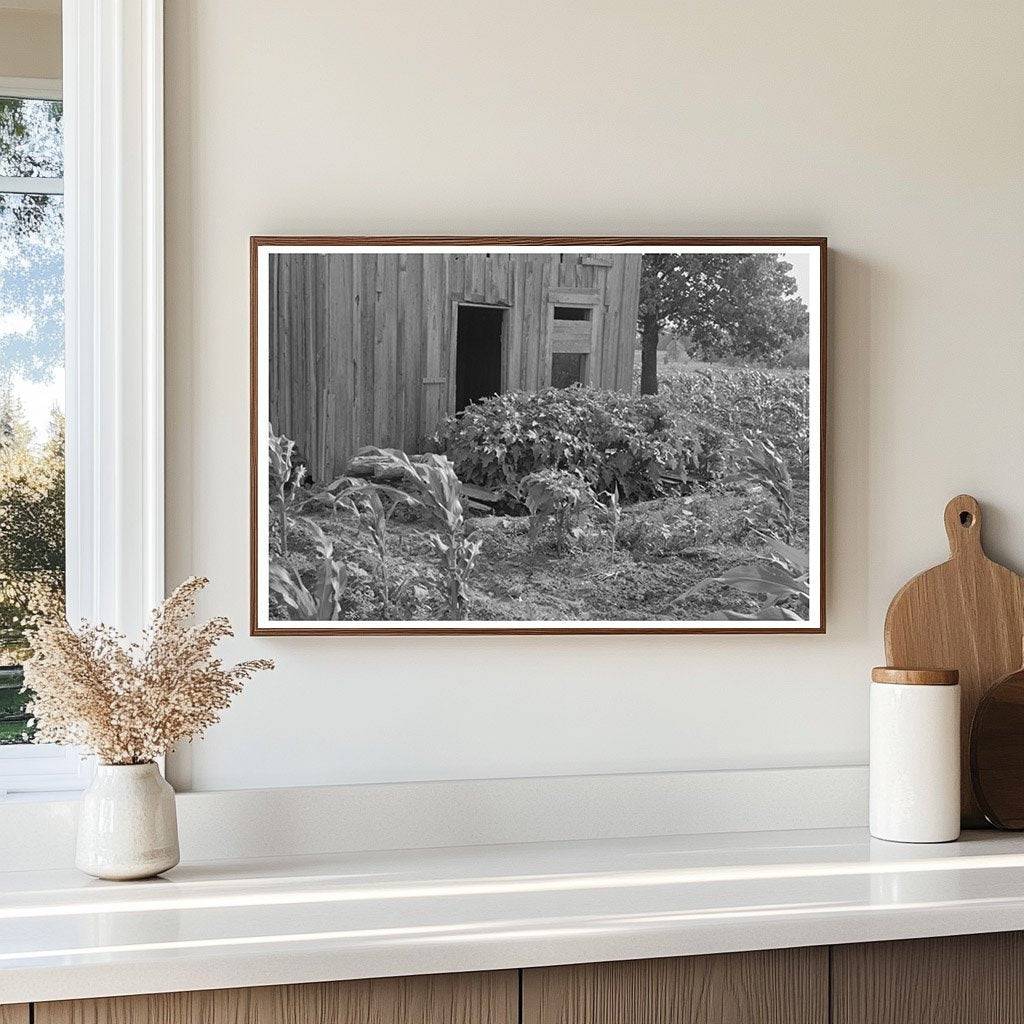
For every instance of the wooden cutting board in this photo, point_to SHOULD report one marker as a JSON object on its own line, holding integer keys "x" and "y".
{"x": 967, "y": 614}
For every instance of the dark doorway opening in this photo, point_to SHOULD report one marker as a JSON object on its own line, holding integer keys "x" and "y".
{"x": 477, "y": 354}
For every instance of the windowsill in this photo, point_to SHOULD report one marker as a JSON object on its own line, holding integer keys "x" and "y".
{"x": 303, "y": 919}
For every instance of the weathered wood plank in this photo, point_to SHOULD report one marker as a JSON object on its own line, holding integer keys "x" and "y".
{"x": 505, "y": 290}
{"x": 456, "y": 274}
{"x": 433, "y": 301}
{"x": 566, "y": 271}
{"x": 14, "y": 1013}
{"x": 312, "y": 392}
{"x": 446, "y": 397}
{"x": 276, "y": 386}
{"x": 401, "y": 293}
{"x": 411, "y": 352}
{"x": 514, "y": 330}
{"x": 544, "y": 356}
{"x": 571, "y": 332}
{"x": 339, "y": 362}
{"x": 296, "y": 346}
{"x": 452, "y": 352}
{"x": 352, "y": 354}
{"x": 532, "y": 324}
{"x": 614, "y": 280}
{"x": 475, "y": 287}
{"x": 627, "y": 306}
{"x": 320, "y": 346}
{"x": 386, "y": 427}
{"x": 367, "y": 323}
{"x": 284, "y": 387}
{"x": 490, "y": 278}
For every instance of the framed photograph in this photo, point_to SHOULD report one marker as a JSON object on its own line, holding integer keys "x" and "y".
{"x": 537, "y": 435}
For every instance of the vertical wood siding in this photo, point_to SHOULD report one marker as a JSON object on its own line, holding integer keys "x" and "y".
{"x": 362, "y": 346}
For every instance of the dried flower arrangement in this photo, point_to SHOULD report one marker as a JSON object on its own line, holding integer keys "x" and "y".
{"x": 129, "y": 703}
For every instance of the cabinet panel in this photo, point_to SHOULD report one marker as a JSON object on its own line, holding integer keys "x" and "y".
{"x": 14, "y": 1013}
{"x": 963, "y": 979}
{"x": 778, "y": 986}
{"x": 482, "y": 998}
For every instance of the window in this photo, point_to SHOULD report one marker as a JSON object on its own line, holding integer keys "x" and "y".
{"x": 574, "y": 325}
{"x": 31, "y": 385}
{"x": 107, "y": 142}
{"x": 568, "y": 368}
{"x": 571, "y": 313}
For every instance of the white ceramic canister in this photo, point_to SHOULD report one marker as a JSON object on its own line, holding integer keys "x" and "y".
{"x": 915, "y": 755}
{"x": 127, "y": 825}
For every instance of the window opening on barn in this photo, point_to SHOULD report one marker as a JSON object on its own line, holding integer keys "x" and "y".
{"x": 572, "y": 313}
{"x": 568, "y": 368}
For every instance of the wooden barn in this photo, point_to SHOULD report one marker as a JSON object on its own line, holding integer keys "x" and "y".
{"x": 378, "y": 348}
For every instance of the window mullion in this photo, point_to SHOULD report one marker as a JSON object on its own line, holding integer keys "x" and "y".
{"x": 32, "y": 186}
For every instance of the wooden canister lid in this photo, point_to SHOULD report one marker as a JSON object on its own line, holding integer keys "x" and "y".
{"x": 916, "y": 676}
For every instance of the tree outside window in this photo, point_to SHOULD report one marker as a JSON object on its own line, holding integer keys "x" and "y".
{"x": 31, "y": 387}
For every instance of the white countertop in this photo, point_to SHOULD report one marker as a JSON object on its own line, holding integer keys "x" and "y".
{"x": 262, "y": 922}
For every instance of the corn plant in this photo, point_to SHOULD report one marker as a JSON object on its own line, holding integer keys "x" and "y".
{"x": 781, "y": 579}
{"x": 761, "y": 464}
{"x": 374, "y": 503}
{"x": 610, "y": 511}
{"x": 324, "y": 602}
{"x": 299, "y": 603}
{"x": 558, "y": 497}
{"x": 284, "y": 479}
{"x": 436, "y": 490}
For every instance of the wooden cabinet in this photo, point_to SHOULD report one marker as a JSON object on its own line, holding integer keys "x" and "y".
{"x": 963, "y": 979}
{"x": 777, "y": 986}
{"x": 491, "y": 998}
{"x": 971, "y": 979}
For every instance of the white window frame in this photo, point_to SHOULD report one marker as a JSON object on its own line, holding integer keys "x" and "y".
{"x": 42, "y": 767}
{"x": 114, "y": 323}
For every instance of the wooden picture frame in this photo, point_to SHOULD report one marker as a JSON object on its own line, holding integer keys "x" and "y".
{"x": 437, "y": 384}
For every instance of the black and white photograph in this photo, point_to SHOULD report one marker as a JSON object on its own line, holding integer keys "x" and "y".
{"x": 499, "y": 435}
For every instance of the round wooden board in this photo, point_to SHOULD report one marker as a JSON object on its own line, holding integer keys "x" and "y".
{"x": 997, "y": 753}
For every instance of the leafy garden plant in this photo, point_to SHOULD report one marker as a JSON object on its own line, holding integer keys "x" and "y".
{"x": 557, "y": 497}
{"x": 768, "y": 405}
{"x": 622, "y": 443}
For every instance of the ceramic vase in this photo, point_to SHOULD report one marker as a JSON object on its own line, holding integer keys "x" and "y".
{"x": 127, "y": 825}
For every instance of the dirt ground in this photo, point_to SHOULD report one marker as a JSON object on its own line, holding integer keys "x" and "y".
{"x": 662, "y": 548}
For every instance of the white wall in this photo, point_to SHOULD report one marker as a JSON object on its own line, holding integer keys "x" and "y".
{"x": 895, "y": 129}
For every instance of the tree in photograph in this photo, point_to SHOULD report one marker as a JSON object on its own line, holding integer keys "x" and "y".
{"x": 740, "y": 305}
